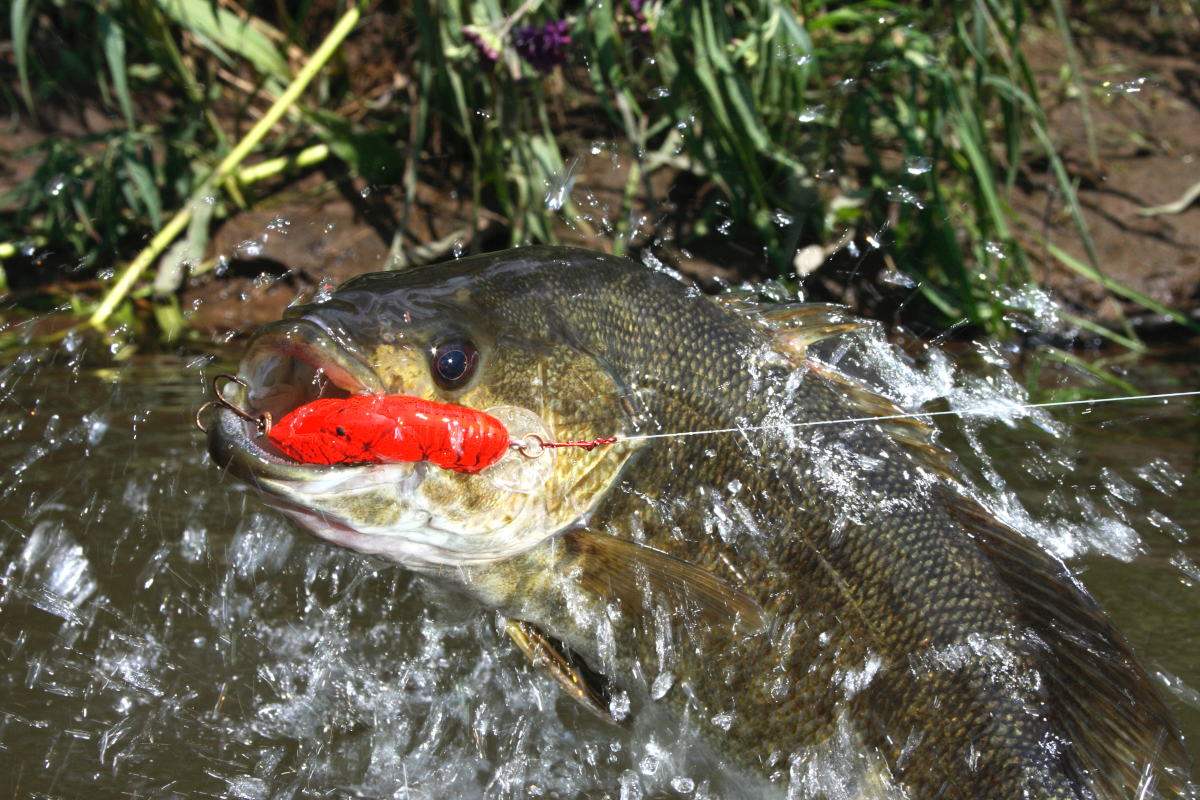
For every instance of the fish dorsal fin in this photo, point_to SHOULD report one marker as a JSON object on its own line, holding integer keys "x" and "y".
{"x": 793, "y": 327}
{"x": 1120, "y": 728}
{"x": 633, "y": 574}
{"x": 553, "y": 657}
{"x": 918, "y": 438}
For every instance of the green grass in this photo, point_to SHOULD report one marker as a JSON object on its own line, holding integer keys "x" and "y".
{"x": 903, "y": 122}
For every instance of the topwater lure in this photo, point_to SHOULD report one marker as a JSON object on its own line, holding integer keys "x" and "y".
{"x": 377, "y": 429}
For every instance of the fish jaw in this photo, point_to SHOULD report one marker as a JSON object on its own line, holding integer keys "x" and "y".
{"x": 406, "y": 512}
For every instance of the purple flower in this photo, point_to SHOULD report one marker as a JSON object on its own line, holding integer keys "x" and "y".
{"x": 638, "y": 5}
{"x": 485, "y": 42}
{"x": 544, "y": 48}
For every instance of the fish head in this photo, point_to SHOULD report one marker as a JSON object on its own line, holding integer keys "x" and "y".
{"x": 480, "y": 333}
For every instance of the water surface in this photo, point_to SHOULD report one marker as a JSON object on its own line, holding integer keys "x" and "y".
{"x": 162, "y": 633}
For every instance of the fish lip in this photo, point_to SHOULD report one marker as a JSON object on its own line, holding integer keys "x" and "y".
{"x": 234, "y": 443}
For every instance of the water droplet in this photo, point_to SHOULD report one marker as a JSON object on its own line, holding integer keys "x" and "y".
{"x": 782, "y": 218}
{"x": 562, "y": 183}
{"x": 902, "y": 194}
{"x": 366, "y": 192}
{"x": 458, "y": 248}
{"x": 803, "y": 60}
{"x": 212, "y": 201}
{"x": 1128, "y": 87}
{"x": 222, "y": 266}
{"x": 683, "y": 785}
{"x": 896, "y": 278}
{"x": 483, "y": 112}
{"x": 724, "y": 226}
{"x": 659, "y": 93}
{"x": 55, "y": 185}
{"x": 812, "y": 113}
{"x": 918, "y": 165}
{"x": 325, "y": 288}
{"x": 251, "y": 248}
{"x": 106, "y": 274}
{"x": 619, "y": 708}
{"x": 597, "y": 148}
{"x": 997, "y": 249}
{"x": 724, "y": 720}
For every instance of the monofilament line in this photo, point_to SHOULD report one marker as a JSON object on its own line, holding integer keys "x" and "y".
{"x": 915, "y": 415}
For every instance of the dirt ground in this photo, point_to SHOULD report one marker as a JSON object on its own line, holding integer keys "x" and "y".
{"x": 1145, "y": 111}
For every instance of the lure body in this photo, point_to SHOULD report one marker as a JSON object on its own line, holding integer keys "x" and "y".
{"x": 378, "y": 429}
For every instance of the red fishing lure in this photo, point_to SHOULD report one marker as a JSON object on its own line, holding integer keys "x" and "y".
{"x": 380, "y": 429}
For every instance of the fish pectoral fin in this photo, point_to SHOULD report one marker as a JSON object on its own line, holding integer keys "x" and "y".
{"x": 552, "y": 657}
{"x": 636, "y": 576}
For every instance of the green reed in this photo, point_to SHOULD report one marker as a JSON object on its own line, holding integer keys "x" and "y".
{"x": 901, "y": 126}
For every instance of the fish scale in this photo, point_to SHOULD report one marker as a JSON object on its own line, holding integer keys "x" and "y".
{"x": 935, "y": 651}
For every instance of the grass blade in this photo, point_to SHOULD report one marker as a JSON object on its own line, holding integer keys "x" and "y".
{"x": 147, "y": 190}
{"x": 1116, "y": 287}
{"x": 223, "y": 28}
{"x": 21, "y": 19}
{"x": 114, "y": 52}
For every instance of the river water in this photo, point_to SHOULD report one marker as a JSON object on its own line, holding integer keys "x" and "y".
{"x": 163, "y": 634}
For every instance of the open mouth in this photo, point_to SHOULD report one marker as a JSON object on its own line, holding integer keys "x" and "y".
{"x": 287, "y": 364}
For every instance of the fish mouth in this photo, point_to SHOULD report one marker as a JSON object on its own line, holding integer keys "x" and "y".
{"x": 287, "y": 364}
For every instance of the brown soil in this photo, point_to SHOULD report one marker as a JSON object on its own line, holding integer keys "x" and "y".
{"x": 1145, "y": 111}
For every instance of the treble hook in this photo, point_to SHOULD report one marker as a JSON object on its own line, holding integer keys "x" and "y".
{"x": 262, "y": 424}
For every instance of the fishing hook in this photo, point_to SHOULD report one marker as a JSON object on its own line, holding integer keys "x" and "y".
{"x": 262, "y": 424}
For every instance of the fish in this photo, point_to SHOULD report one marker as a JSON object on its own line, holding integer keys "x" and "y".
{"x": 830, "y": 602}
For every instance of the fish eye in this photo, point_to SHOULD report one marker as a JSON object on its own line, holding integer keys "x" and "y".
{"x": 453, "y": 363}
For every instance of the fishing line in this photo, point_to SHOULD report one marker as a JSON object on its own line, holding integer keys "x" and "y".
{"x": 915, "y": 415}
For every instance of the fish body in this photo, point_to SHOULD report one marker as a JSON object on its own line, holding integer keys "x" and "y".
{"x": 826, "y": 600}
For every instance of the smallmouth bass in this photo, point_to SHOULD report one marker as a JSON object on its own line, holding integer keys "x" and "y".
{"x": 808, "y": 592}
